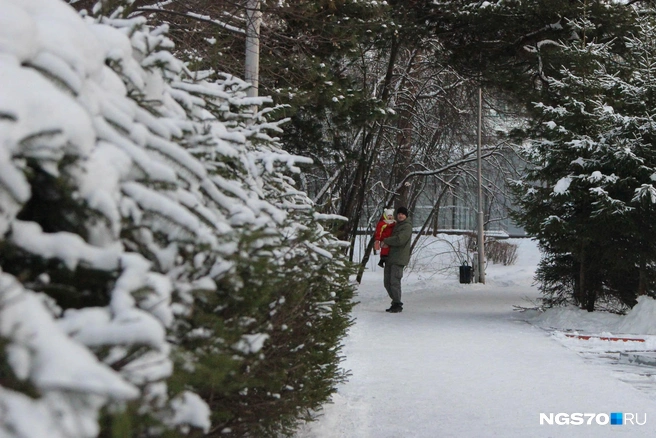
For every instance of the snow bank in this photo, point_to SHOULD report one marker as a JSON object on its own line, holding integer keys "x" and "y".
{"x": 641, "y": 319}
{"x": 573, "y": 318}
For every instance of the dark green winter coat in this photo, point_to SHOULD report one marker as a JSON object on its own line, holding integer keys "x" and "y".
{"x": 399, "y": 243}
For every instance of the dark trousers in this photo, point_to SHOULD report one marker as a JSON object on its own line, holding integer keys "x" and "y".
{"x": 392, "y": 281}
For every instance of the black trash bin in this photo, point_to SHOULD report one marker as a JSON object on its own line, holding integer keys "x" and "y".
{"x": 465, "y": 274}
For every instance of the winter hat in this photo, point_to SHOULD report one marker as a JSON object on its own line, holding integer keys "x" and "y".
{"x": 402, "y": 210}
{"x": 388, "y": 214}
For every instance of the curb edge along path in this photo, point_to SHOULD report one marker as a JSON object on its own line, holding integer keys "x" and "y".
{"x": 459, "y": 362}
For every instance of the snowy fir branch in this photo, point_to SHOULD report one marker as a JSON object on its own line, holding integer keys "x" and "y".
{"x": 159, "y": 267}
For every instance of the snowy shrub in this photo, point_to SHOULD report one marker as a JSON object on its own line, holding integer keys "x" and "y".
{"x": 159, "y": 271}
{"x": 501, "y": 252}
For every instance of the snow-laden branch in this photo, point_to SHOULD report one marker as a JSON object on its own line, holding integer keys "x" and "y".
{"x": 198, "y": 17}
{"x": 553, "y": 26}
{"x": 485, "y": 152}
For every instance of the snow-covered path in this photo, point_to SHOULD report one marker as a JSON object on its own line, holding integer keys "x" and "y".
{"x": 460, "y": 362}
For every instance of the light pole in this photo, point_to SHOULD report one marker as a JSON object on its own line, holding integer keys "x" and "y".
{"x": 481, "y": 217}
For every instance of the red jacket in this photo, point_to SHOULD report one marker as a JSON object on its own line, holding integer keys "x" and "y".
{"x": 383, "y": 231}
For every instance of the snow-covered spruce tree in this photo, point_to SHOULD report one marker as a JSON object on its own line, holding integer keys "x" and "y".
{"x": 558, "y": 197}
{"x": 139, "y": 215}
{"x": 628, "y": 146}
{"x": 289, "y": 294}
{"x": 590, "y": 201}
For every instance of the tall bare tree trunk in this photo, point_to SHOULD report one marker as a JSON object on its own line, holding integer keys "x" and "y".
{"x": 642, "y": 278}
{"x": 405, "y": 110}
{"x": 579, "y": 286}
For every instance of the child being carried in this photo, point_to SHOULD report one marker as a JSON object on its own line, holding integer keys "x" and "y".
{"x": 384, "y": 229}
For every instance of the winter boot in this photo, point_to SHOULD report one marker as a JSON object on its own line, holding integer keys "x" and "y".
{"x": 395, "y": 308}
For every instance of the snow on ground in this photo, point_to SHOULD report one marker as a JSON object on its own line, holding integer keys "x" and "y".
{"x": 461, "y": 361}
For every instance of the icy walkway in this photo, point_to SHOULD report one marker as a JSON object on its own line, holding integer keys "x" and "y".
{"x": 459, "y": 362}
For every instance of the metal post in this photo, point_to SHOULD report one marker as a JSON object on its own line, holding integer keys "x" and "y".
{"x": 481, "y": 217}
{"x": 475, "y": 275}
{"x": 252, "y": 62}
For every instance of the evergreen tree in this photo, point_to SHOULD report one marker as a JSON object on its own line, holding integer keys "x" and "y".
{"x": 589, "y": 203}
{"x": 158, "y": 265}
{"x": 514, "y": 46}
{"x": 557, "y": 207}
{"x": 627, "y": 108}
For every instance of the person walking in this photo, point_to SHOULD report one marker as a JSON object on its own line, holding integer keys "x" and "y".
{"x": 399, "y": 255}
